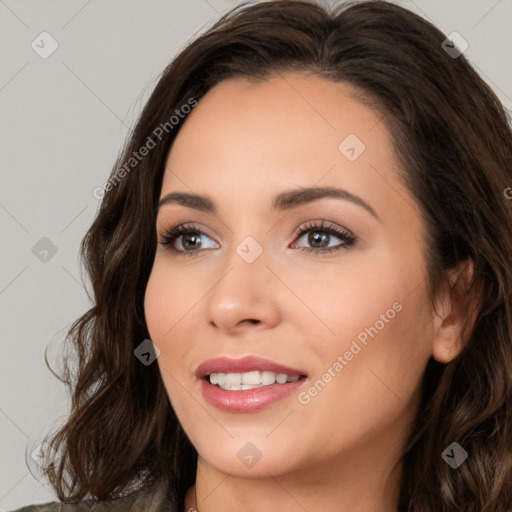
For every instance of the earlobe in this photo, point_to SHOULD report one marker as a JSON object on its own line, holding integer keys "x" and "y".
{"x": 456, "y": 314}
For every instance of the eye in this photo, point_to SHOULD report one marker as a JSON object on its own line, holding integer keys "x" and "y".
{"x": 320, "y": 237}
{"x": 187, "y": 238}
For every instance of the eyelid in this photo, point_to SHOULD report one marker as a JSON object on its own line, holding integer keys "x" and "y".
{"x": 321, "y": 224}
{"x": 347, "y": 237}
{"x": 185, "y": 227}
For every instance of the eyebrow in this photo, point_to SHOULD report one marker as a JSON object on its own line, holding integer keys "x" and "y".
{"x": 286, "y": 200}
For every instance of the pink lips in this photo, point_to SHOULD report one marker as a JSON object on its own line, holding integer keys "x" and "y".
{"x": 251, "y": 399}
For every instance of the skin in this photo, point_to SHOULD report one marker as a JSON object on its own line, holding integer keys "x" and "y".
{"x": 241, "y": 145}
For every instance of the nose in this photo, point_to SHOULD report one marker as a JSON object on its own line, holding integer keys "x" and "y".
{"x": 246, "y": 297}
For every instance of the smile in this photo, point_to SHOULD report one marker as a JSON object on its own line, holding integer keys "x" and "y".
{"x": 247, "y": 384}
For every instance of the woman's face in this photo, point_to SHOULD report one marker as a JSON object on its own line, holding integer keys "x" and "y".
{"x": 353, "y": 324}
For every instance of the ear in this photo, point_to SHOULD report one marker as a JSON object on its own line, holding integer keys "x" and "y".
{"x": 457, "y": 312}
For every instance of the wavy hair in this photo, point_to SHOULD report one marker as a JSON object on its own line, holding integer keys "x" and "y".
{"x": 454, "y": 143}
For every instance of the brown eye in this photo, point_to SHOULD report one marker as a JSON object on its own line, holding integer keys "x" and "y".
{"x": 184, "y": 239}
{"x": 320, "y": 235}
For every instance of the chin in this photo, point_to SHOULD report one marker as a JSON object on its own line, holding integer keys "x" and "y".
{"x": 247, "y": 456}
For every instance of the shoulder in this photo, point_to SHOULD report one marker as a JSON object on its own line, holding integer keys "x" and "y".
{"x": 44, "y": 507}
{"x": 156, "y": 499}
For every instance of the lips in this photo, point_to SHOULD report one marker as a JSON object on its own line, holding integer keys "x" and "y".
{"x": 254, "y": 398}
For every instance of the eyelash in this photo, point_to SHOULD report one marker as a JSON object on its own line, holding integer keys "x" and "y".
{"x": 348, "y": 239}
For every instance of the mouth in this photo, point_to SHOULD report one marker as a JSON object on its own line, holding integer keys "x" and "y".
{"x": 247, "y": 384}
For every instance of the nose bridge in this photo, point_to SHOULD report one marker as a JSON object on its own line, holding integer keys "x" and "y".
{"x": 245, "y": 270}
{"x": 248, "y": 248}
{"x": 244, "y": 289}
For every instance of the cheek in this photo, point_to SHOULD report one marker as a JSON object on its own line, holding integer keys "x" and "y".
{"x": 384, "y": 350}
{"x": 170, "y": 307}
{"x": 345, "y": 299}
{"x": 165, "y": 308}
{"x": 169, "y": 297}
{"x": 377, "y": 320}
{"x": 155, "y": 298}
{"x": 374, "y": 386}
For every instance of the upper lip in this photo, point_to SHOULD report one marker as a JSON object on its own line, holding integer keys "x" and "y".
{"x": 245, "y": 364}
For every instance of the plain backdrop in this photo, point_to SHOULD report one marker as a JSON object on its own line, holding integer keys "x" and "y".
{"x": 63, "y": 120}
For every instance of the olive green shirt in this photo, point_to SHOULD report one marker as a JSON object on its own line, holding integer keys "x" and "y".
{"x": 156, "y": 499}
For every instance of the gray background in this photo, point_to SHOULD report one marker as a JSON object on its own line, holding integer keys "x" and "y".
{"x": 63, "y": 121}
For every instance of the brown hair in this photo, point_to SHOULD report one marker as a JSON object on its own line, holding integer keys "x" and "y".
{"x": 454, "y": 143}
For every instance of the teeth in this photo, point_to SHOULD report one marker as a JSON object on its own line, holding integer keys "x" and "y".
{"x": 233, "y": 379}
{"x": 249, "y": 380}
{"x": 281, "y": 378}
{"x": 268, "y": 378}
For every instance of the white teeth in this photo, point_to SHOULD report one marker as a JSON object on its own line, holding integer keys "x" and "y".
{"x": 249, "y": 380}
{"x": 268, "y": 378}
{"x": 233, "y": 379}
{"x": 281, "y": 378}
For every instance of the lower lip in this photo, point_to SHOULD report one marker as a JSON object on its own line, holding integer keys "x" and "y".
{"x": 247, "y": 400}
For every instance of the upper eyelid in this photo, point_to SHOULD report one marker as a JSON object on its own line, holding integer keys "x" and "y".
{"x": 187, "y": 227}
{"x": 320, "y": 224}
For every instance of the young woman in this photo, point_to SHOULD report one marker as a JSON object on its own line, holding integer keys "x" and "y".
{"x": 302, "y": 271}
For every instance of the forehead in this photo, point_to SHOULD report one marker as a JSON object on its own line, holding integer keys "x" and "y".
{"x": 293, "y": 128}
{"x": 283, "y": 111}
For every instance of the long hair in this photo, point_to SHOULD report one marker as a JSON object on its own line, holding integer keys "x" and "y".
{"x": 454, "y": 143}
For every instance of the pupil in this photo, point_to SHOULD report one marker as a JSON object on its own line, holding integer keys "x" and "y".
{"x": 191, "y": 236}
{"x": 315, "y": 237}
